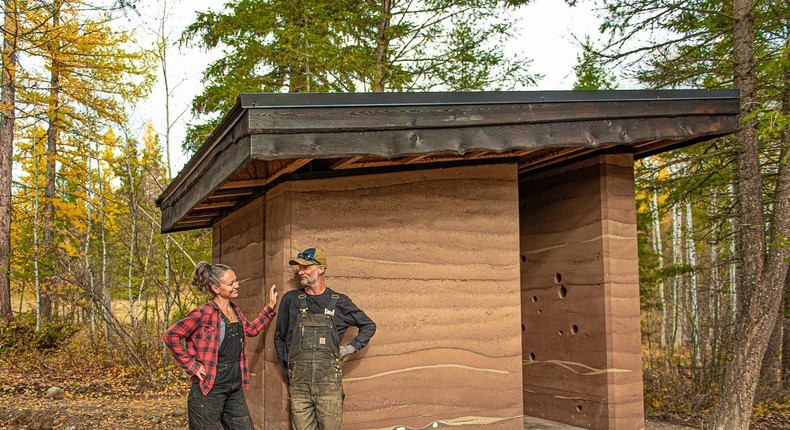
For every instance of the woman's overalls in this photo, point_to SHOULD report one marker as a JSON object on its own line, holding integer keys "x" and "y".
{"x": 314, "y": 372}
{"x": 225, "y": 402}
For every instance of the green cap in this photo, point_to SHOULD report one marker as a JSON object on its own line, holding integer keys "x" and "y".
{"x": 310, "y": 256}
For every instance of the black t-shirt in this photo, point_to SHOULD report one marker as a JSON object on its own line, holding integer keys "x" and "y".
{"x": 347, "y": 314}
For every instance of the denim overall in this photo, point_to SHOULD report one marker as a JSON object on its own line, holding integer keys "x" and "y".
{"x": 314, "y": 372}
{"x": 225, "y": 402}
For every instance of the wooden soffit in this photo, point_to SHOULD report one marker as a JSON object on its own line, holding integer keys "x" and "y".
{"x": 268, "y": 138}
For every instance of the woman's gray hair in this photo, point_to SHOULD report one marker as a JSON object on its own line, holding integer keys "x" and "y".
{"x": 207, "y": 275}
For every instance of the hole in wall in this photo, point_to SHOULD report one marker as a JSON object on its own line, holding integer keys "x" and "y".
{"x": 562, "y": 332}
{"x": 563, "y": 291}
{"x": 523, "y": 258}
{"x": 557, "y": 278}
{"x": 540, "y": 311}
{"x": 532, "y": 356}
{"x": 523, "y": 328}
{"x": 534, "y": 299}
{"x": 574, "y": 329}
{"x": 579, "y": 408}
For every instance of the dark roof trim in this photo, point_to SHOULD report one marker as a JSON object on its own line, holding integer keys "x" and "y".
{"x": 328, "y": 100}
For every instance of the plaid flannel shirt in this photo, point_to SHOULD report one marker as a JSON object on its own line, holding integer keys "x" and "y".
{"x": 201, "y": 331}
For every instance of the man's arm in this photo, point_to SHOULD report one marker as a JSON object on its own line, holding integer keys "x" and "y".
{"x": 356, "y": 317}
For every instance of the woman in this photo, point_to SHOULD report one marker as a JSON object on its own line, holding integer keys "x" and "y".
{"x": 216, "y": 355}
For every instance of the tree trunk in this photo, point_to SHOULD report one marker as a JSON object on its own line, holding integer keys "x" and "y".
{"x": 660, "y": 253}
{"x": 763, "y": 269}
{"x": 36, "y": 244}
{"x": 382, "y": 46}
{"x": 90, "y": 284}
{"x": 132, "y": 238}
{"x": 168, "y": 276}
{"x": 785, "y": 315}
{"x": 786, "y": 337}
{"x": 714, "y": 322}
{"x": 52, "y": 156}
{"x": 691, "y": 257}
{"x": 144, "y": 274}
{"x": 675, "y": 340}
{"x": 770, "y": 387}
{"x": 733, "y": 277}
{"x": 163, "y": 43}
{"x": 8, "y": 98}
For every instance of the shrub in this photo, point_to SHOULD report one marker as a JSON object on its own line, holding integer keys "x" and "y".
{"x": 21, "y": 333}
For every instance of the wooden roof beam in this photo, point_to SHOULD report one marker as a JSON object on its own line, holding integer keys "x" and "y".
{"x": 345, "y": 163}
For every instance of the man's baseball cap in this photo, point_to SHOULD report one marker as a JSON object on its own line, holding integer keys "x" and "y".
{"x": 309, "y": 257}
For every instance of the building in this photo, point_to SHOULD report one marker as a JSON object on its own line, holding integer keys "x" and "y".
{"x": 490, "y": 235}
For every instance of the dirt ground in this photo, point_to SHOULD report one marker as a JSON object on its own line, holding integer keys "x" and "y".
{"x": 81, "y": 411}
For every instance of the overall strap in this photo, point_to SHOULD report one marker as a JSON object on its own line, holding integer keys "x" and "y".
{"x": 330, "y": 310}
{"x": 302, "y": 303}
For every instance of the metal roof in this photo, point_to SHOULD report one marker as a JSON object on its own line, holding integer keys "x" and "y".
{"x": 268, "y": 138}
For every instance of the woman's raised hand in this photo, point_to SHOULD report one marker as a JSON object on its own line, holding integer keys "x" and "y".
{"x": 272, "y": 296}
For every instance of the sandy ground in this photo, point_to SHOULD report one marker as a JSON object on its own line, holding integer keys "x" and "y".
{"x": 80, "y": 411}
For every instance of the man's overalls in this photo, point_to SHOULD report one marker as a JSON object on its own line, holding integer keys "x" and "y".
{"x": 314, "y": 372}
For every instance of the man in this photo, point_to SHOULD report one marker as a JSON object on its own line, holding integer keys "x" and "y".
{"x": 310, "y": 325}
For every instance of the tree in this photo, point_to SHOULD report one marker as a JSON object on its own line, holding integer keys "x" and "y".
{"x": 742, "y": 43}
{"x": 89, "y": 78}
{"x": 8, "y": 105}
{"x": 357, "y": 45}
{"x": 590, "y": 73}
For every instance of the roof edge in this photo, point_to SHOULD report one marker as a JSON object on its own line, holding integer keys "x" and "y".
{"x": 247, "y": 101}
{"x": 217, "y": 135}
{"x": 325, "y": 100}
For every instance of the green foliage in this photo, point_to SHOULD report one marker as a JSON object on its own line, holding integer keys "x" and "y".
{"x": 649, "y": 267}
{"x": 21, "y": 333}
{"x": 350, "y": 46}
{"x": 590, "y": 73}
{"x": 692, "y": 43}
{"x": 688, "y": 43}
{"x": 672, "y": 270}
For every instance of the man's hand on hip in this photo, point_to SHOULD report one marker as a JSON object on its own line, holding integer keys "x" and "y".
{"x": 345, "y": 351}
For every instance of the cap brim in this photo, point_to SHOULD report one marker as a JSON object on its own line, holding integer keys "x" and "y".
{"x": 301, "y": 262}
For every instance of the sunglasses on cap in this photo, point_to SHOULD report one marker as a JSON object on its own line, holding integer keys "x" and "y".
{"x": 308, "y": 256}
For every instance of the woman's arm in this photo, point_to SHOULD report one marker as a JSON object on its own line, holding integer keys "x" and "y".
{"x": 182, "y": 330}
{"x": 254, "y": 327}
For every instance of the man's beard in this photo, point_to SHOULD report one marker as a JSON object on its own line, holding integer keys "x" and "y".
{"x": 310, "y": 281}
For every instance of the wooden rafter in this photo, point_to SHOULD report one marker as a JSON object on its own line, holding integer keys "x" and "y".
{"x": 345, "y": 163}
{"x": 215, "y": 205}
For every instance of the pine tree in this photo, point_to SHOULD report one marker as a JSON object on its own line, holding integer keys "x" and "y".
{"x": 590, "y": 72}
{"x": 349, "y": 46}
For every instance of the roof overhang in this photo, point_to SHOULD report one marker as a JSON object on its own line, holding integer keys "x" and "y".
{"x": 268, "y": 138}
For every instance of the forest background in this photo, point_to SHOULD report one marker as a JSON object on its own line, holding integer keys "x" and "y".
{"x": 86, "y": 269}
